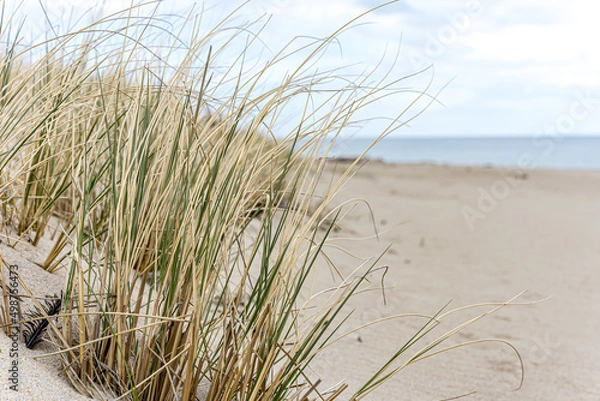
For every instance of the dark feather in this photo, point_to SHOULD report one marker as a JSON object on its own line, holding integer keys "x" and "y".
{"x": 35, "y": 328}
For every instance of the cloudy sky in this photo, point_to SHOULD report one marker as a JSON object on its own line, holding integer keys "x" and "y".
{"x": 512, "y": 67}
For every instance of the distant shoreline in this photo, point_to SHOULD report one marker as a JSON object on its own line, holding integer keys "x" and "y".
{"x": 366, "y": 159}
{"x": 568, "y": 153}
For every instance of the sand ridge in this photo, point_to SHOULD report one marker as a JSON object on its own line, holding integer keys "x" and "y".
{"x": 534, "y": 231}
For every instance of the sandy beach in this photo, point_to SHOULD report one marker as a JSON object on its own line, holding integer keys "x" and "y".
{"x": 471, "y": 235}
{"x": 462, "y": 234}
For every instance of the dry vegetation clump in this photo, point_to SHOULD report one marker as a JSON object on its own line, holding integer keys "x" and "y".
{"x": 185, "y": 224}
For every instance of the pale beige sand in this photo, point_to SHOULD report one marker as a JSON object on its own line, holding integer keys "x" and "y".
{"x": 541, "y": 236}
{"x": 38, "y": 379}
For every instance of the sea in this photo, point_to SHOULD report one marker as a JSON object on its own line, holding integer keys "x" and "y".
{"x": 568, "y": 153}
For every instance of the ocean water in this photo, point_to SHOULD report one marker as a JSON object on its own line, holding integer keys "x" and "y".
{"x": 525, "y": 152}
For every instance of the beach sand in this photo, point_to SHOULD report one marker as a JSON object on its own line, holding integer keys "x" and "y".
{"x": 471, "y": 235}
{"x": 460, "y": 234}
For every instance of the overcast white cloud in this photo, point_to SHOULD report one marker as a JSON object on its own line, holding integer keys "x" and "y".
{"x": 515, "y": 65}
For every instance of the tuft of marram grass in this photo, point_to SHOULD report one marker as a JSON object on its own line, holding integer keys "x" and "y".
{"x": 187, "y": 226}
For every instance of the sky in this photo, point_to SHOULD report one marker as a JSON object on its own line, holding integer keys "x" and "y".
{"x": 510, "y": 67}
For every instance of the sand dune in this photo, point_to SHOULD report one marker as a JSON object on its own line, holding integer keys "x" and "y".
{"x": 465, "y": 235}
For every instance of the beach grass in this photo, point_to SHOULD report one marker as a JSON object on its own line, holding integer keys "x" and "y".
{"x": 189, "y": 230}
